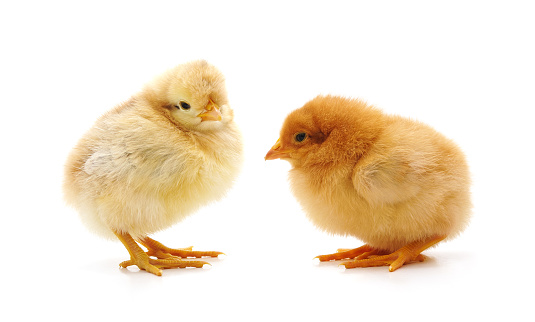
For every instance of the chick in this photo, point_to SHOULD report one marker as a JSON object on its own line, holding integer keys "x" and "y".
{"x": 394, "y": 183}
{"x": 155, "y": 159}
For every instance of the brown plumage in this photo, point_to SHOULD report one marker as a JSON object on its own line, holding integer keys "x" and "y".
{"x": 397, "y": 184}
{"x": 152, "y": 161}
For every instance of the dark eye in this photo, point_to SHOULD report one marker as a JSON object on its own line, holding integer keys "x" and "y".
{"x": 300, "y": 137}
{"x": 184, "y": 105}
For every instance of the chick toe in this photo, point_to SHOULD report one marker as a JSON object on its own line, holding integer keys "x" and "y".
{"x": 161, "y": 251}
{"x": 154, "y": 266}
{"x": 176, "y": 263}
{"x": 345, "y": 253}
{"x": 143, "y": 264}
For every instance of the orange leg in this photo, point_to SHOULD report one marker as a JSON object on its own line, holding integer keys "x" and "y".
{"x": 366, "y": 256}
{"x": 142, "y": 260}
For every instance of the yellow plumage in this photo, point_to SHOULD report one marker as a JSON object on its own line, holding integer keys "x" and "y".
{"x": 149, "y": 163}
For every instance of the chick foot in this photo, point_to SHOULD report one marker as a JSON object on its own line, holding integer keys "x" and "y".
{"x": 367, "y": 256}
{"x": 161, "y": 251}
{"x": 406, "y": 254}
{"x": 142, "y": 260}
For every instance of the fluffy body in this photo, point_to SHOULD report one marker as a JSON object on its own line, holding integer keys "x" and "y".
{"x": 146, "y": 164}
{"x": 384, "y": 179}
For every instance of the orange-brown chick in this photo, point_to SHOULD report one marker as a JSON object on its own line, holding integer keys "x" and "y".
{"x": 397, "y": 184}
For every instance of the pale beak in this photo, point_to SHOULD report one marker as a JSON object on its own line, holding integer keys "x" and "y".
{"x": 276, "y": 152}
{"x": 211, "y": 112}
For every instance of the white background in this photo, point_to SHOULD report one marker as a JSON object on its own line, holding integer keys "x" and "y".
{"x": 467, "y": 68}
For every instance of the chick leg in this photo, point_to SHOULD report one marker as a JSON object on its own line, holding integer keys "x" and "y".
{"x": 410, "y": 252}
{"x": 142, "y": 260}
{"x": 161, "y": 251}
{"x": 137, "y": 255}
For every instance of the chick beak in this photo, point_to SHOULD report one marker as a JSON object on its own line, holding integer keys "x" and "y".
{"x": 276, "y": 152}
{"x": 211, "y": 112}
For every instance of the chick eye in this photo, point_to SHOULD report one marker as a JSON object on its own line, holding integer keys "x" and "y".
{"x": 183, "y": 105}
{"x": 300, "y": 137}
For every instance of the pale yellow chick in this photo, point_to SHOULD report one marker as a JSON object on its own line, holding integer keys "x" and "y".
{"x": 397, "y": 184}
{"x": 155, "y": 159}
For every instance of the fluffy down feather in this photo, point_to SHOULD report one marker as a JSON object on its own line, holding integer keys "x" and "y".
{"x": 147, "y": 164}
{"x": 384, "y": 179}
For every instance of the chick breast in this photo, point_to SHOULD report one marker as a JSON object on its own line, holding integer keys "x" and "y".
{"x": 136, "y": 173}
{"x": 412, "y": 183}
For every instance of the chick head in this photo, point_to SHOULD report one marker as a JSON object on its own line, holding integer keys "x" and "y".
{"x": 299, "y": 137}
{"x": 327, "y": 129}
{"x": 194, "y": 96}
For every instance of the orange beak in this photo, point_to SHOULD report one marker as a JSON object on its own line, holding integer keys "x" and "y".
{"x": 211, "y": 112}
{"x": 276, "y": 152}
